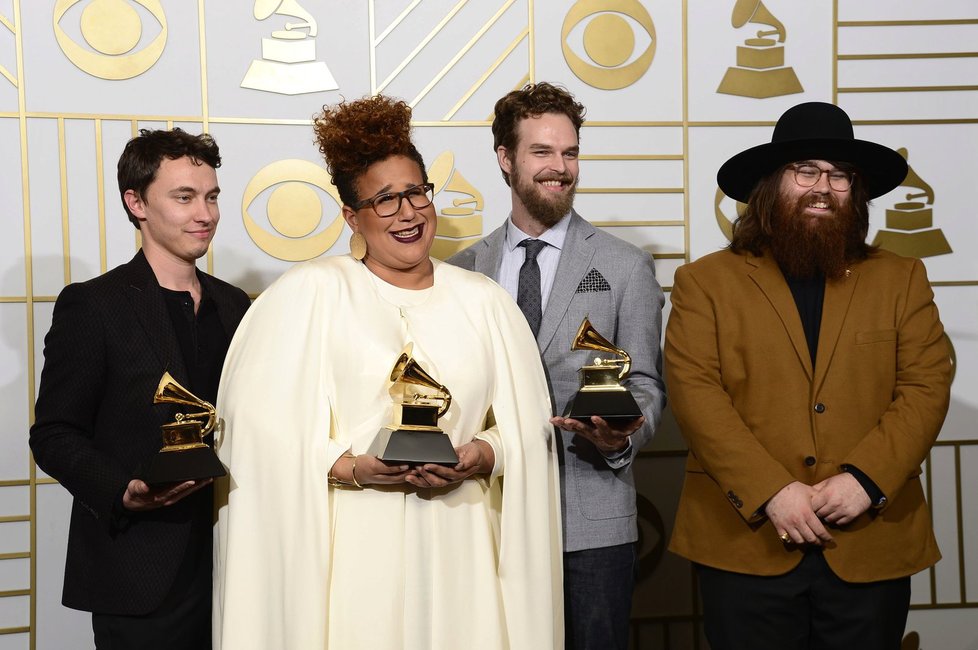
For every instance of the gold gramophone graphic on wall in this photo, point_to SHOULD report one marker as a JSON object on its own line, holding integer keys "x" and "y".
{"x": 601, "y": 391}
{"x": 760, "y": 70}
{"x": 288, "y": 64}
{"x": 461, "y": 222}
{"x": 910, "y": 224}
{"x": 184, "y": 456}
{"x": 413, "y": 436}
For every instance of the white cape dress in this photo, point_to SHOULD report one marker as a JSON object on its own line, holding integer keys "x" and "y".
{"x": 305, "y": 566}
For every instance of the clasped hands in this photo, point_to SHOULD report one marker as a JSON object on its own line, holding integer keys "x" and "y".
{"x": 799, "y": 512}
{"x": 475, "y": 457}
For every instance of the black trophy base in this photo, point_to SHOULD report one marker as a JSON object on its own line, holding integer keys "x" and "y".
{"x": 407, "y": 447}
{"x": 612, "y": 405}
{"x": 193, "y": 464}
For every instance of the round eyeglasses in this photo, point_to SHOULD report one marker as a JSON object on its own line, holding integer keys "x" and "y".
{"x": 387, "y": 204}
{"x": 809, "y": 175}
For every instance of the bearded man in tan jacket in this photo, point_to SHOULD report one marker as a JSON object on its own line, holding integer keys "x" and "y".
{"x": 809, "y": 374}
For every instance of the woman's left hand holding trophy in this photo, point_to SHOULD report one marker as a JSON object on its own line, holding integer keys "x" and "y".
{"x": 476, "y": 457}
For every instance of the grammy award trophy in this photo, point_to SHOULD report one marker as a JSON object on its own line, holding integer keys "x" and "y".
{"x": 601, "y": 392}
{"x": 184, "y": 456}
{"x": 413, "y": 438}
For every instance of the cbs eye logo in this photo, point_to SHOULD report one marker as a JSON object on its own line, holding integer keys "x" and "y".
{"x": 111, "y": 28}
{"x": 609, "y": 41}
{"x": 294, "y": 210}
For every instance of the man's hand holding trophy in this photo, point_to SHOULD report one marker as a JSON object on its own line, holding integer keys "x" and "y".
{"x": 184, "y": 455}
{"x": 603, "y": 411}
{"x": 185, "y": 463}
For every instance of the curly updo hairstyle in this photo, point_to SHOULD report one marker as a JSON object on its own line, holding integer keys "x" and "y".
{"x": 352, "y": 136}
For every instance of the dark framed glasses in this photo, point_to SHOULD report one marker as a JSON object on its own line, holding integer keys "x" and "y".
{"x": 809, "y": 175}
{"x": 387, "y": 204}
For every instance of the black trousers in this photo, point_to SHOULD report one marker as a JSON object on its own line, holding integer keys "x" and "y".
{"x": 808, "y": 608}
{"x": 187, "y": 627}
{"x": 182, "y": 622}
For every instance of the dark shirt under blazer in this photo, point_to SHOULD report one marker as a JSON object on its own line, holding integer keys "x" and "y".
{"x": 110, "y": 341}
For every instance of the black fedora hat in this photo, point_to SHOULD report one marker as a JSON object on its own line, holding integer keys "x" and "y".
{"x": 813, "y": 131}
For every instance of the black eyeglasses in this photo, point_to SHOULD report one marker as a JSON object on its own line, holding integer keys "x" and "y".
{"x": 809, "y": 175}
{"x": 387, "y": 204}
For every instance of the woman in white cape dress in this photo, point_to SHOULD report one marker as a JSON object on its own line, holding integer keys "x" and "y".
{"x": 319, "y": 544}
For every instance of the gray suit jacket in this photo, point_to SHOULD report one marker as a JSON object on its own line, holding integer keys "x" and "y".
{"x": 613, "y": 283}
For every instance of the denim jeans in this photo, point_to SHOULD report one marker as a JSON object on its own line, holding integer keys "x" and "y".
{"x": 598, "y": 585}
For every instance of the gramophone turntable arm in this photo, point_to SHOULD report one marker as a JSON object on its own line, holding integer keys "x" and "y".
{"x": 623, "y": 364}
{"x": 443, "y": 401}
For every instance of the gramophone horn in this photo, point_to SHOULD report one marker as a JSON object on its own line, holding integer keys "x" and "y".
{"x": 171, "y": 392}
{"x": 406, "y": 370}
{"x": 460, "y": 184}
{"x": 588, "y": 338}
{"x": 755, "y": 12}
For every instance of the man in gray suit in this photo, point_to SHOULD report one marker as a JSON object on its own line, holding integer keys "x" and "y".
{"x": 562, "y": 269}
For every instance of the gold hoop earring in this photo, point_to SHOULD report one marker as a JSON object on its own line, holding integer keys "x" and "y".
{"x": 358, "y": 246}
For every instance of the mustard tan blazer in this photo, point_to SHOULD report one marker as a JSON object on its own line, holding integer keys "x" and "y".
{"x": 757, "y": 415}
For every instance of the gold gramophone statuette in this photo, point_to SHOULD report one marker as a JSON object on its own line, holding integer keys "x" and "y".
{"x": 413, "y": 436}
{"x": 760, "y": 71}
{"x": 601, "y": 391}
{"x": 184, "y": 456}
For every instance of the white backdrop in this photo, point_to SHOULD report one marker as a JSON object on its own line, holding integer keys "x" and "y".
{"x": 673, "y": 88}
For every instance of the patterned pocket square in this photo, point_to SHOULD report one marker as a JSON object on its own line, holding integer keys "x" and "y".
{"x": 593, "y": 282}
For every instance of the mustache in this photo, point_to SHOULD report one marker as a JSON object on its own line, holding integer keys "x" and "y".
{"x": 804, "y": 201}
{"x": 563, "y": 178}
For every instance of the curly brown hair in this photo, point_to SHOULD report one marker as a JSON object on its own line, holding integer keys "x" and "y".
{"x": 531, "y": 100}
{"x": 352, "y": 136}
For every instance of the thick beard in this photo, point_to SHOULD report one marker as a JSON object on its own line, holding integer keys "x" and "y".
{"x": 805, "y": 246}
{"x": 547, "y": 211}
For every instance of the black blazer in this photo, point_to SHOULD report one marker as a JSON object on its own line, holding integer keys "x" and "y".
{"x": 95, "y": 426}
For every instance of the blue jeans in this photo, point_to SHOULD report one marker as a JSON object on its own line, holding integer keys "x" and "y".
{"x": 598, "y": 585}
